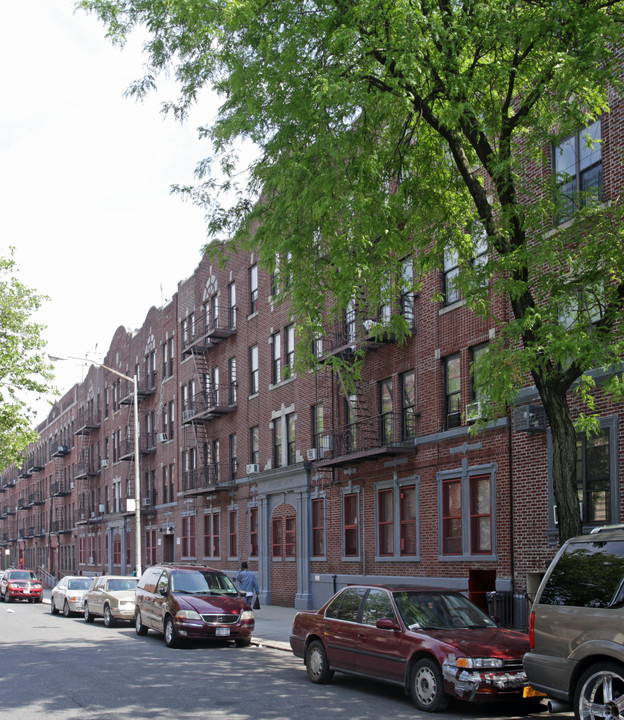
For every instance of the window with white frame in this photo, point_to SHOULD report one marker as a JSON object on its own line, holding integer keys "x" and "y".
{"x": 351, "y": 524}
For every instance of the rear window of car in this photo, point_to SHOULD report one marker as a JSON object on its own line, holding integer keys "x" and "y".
{"x": 588, "y": 574}
{"x": 128, "y": 584}
{"x": 346, "y": 605}
{"x": 79, "y": 584}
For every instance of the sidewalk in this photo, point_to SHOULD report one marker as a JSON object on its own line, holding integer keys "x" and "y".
{"x": 273, "y": 625}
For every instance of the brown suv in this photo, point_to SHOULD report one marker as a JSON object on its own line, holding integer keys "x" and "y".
{"x": 190, "y": 602}
{"x": 576, "y": 628}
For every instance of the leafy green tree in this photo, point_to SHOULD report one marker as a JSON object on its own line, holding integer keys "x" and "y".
{"x": 389, "y": 129}
{"x": 24, "y": 368}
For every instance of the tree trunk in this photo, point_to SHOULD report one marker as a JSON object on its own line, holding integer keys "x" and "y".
{"x": 555, "y": 401}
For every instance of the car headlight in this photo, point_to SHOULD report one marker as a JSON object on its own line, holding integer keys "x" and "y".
{"x": 247, "y": 615}
{"x": 187, "y": 615}
{"x": 479, "y": 663}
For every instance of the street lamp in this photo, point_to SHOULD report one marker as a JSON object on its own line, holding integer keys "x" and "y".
{"x": 137, "y": 472}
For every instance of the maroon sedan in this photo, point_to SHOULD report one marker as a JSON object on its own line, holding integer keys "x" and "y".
{"x": 436, "y": 644}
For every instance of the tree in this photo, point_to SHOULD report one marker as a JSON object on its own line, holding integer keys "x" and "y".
{"x": 396, "y": 128}
{"x": 24, "y": 368}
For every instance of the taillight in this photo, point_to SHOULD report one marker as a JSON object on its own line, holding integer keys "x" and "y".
{"x": 532, "y": 630}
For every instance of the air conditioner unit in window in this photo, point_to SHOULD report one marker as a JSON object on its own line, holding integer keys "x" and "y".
{"x": 311, "y": 454}
{"x": 252, "y": 469}
{"x": 104, "y": 462}
{"x": 147, "y": 501}
{"x": 101, "y": 508}
{"x": 473, "y": 411}
{"x": 161, "y": 437}
{"x": 530, "y": 418}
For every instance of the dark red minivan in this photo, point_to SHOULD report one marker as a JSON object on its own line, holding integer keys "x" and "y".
{"x": 190, "y": 602}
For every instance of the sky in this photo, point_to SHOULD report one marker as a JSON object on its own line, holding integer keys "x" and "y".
{"x": 85, "y": 178}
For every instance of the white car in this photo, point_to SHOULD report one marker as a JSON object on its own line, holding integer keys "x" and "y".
{"x": 111, "y": 597}
{"x": 68, "y": 594}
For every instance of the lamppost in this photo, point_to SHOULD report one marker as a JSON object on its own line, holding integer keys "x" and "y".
{"x": 137, "y": 472}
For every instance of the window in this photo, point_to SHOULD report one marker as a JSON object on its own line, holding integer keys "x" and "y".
{"x": 233, "y": 533}
{"x": 593, "y": 477}
{"x": 232, "y": 305}
{"x": 290, "y": 349}
{"x": 277, "y": 443}
{"x": 254, "y": 443}
{"x": 318, "y": 429}
{"x": 188, "y": 537}
{"x": 385, "y": 411}
{"x": 407, "y": 291}
{"x": 232, "y": 381}
{"x": 476, "y": 354}
{"x": 351, "y": 429}
{"x": 276, "y": 539}
{"x": 290, "y": 537}
{"x": 346, "y": 605}
{"x": 466, "y": 515}
{"x": 376, "y": 606}
{"x": 385, "y": 522}
{"x": 253, "y": 289}
{"x": 212, "y": 534}
{"x": 318, "y": 527}
{"x": 578, "y": 168}
{"x": 350, "y": 524}
{"x": 349, "y": 323}
{"x": 254, "y": 378}
{"x": 397, "y": 538}
{"x": 449, "y": 278}
{"x": 408, "y": 405}
{"x": 452, "y": 392}
{"x": 253, "y": 532}
{"x": 276, "y": 344}
{"x": 233, "y": 456}
{"x": 291, "y": 443}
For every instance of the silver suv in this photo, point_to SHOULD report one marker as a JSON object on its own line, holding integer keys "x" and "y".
{"x": 576, "y": 629}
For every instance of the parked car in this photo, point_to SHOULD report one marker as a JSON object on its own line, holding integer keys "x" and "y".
{"x": 110, "y": 597}
{"x": 68, "y": 594}
{"x": 576, "y": 628}
{"x": 191, "y": 603}
{"x": 20, "y": 585}
{"x": 435, "y": 644}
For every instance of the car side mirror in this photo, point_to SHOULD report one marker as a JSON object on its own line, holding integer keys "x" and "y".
{"x": 386, "y": 624}
{"x": 162, "y": 591}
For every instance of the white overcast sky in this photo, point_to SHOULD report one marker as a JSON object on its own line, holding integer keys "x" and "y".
{"x": 85, "y": 176}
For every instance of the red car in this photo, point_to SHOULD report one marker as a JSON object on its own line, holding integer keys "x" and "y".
{"x": 436, "y": 644}
{"x": 20, "y": 585}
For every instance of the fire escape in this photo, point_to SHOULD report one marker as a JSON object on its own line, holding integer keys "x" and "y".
{"x": 211, "y": 400}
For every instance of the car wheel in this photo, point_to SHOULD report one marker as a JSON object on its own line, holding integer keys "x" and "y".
{"x": 39, "y": 600}
{"x": 243, "y": 642}
{"x": 316, "y": 663}
{"x": 600, "y": 692}
{"x": 109, "y": 620}
{"x": 87, "y": 615}
{"x": 138, "y": 624}
{"x": 171, "y": 634}
{"x": 427, "y": 686}
{"x": 66, "y": 609}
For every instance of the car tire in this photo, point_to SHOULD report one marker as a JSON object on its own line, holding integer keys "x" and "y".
{"x": 38, "y": 600}
{"x": 53, "y": 609}
{"x": 316, "y": 663}
{"x": 427, "y": 686}
{"x": 66, "y": 612}
{"x": 242, "y": 642}
{"x": 87, "y": 615}
{"x": 598, "y": 692}
{"x": 109, "y": 620}
{"x": 171, "y": 634}
{"x": 138, "y": 624}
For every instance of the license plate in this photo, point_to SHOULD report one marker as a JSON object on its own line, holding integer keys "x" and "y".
{"x": 222, "y": 632}
{"x": 530, "y": 692}
{"x": 26, "y": 591}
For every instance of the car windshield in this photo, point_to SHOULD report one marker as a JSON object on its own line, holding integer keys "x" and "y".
{"x": 125, "y": 584}
{"x": 202, "y": 582}
{"x": 79, "y": 584}
{"x": 439, "y": 610}
{"x": 22, "y": 575}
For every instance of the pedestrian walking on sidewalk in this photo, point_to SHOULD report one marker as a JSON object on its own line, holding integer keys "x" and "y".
{"x": 247, "y": 582}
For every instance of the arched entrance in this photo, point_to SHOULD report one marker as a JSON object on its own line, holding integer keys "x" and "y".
{"x": 283, "y": 555}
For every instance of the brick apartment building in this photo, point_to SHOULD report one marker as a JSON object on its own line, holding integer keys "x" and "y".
{"x": 243, "y": 458}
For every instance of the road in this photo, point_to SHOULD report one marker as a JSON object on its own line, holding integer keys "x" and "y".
{"x": 65, "y": 669}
